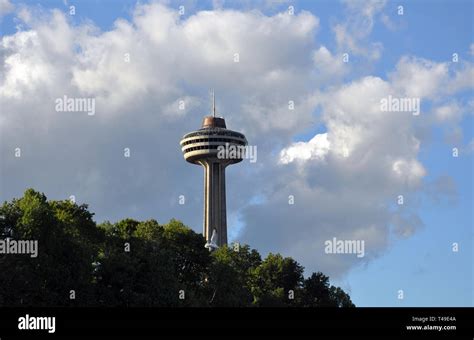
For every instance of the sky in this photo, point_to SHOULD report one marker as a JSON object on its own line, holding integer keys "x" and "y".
{"x": 305, "y": 82}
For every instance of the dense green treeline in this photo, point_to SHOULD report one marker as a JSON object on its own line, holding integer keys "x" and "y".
{"x": 133, "y": 263}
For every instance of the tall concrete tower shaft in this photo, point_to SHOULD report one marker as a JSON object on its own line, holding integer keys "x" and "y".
{"x": 205, "y": 147}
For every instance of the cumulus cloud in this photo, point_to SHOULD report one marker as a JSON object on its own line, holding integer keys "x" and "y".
{"x": 345, "y": 182}
{"x": 347, "y": 178}
{"x": 329, "y": 67}
{"x": 448, "y": 112}
{"x": 316, "y": 148}
{"x": 419, "y": 77}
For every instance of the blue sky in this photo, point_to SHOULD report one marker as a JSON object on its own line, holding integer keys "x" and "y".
{"x": 422, "y": 264}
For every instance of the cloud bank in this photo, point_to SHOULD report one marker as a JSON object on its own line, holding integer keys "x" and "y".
{"x": 274, "y": 81}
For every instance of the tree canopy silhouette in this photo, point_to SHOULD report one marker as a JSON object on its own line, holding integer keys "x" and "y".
{"x": 141, "y": 263}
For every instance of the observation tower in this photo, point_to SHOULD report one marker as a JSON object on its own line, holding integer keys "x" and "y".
{"x": 202, "y": 147}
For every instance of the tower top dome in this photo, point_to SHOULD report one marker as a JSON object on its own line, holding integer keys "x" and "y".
{"x": 213, "y": 122}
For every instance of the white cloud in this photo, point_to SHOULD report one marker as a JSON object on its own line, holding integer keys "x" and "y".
{"x": 418, "y": 77}
{"x": 410, "y": 171}
{"x": 351, "y": 35}
{"x": 316, "y": 148}
{"x": 463, "y": 79}
{"x": 370, "y": 158}
{"x": 350, "y": 43}
{"x": 450, "y": 112}
{"x": 367, "y": 8}
{"x": 328, "y": 66}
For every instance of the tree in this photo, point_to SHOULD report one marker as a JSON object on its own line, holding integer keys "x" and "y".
{"x": 191, "y": 261}
{"x": 63, "y": 261}
{"x": 316, "y": 291}
{"x": 132, "y": 271}
{"x": 230, "y": 274}
{"x": 340, "y": 298}
{"x": 277, "y": 281}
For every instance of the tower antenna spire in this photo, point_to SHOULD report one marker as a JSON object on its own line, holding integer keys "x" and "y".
{"x": 213, "y": 104}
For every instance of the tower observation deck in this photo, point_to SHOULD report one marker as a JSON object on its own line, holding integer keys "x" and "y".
{"x": 201, "y": 147}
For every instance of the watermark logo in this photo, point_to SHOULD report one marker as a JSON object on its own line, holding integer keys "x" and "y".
{"x": 402, "y": 104}
{"x": 233, "y": 151}
{"x": 37, "y": 323}
{"x": 11, "y": 246}
{"x": 336, "y": 246}
{"x": 76, "y": 104}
